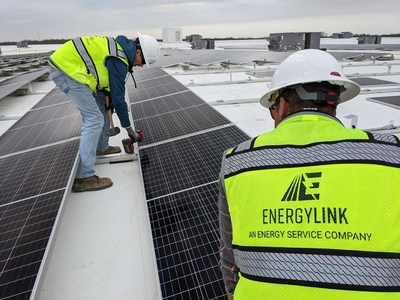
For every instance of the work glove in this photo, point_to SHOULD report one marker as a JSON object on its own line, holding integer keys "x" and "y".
{"x": 135, "y": 136}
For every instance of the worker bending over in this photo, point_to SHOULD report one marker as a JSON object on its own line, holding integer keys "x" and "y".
{"x": 89, "y": 69}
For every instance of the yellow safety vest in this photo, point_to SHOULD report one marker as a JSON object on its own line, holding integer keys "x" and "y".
{"x": 315, "y": 211}
{"x": 83, "y": 59}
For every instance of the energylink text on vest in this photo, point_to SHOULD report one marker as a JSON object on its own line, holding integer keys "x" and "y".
{"x": 310, "y": 234}
{"x": 312, "y": 215}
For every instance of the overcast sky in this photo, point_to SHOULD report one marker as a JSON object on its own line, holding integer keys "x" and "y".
{"x": 47, "y": 19}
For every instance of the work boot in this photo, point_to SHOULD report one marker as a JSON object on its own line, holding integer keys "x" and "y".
{"x": 109, "y": 150}
{"x": 93, "y": 183}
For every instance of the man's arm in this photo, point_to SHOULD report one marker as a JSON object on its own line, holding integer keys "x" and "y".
{"x": 117, "y": 72}
{"x": 227, "y": 259}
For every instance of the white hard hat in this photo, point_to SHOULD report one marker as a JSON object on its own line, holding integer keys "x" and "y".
{"x": 306, "y": 66}
{"x": 150, "y": 48}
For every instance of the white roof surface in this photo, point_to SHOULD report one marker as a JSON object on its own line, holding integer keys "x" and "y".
{"x": 103, "y": 248}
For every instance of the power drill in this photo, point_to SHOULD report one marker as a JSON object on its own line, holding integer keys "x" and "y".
{"x": 128, "y": 145}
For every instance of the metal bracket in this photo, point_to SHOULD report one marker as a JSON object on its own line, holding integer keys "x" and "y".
{"x": 114, "y": 159}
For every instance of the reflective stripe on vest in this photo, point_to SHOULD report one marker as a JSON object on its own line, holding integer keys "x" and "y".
{"x": 340, "y": 152}
{"x": 80, "y": 47}
{"x": 354, "y": 271}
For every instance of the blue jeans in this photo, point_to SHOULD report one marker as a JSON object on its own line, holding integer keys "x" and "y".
{"x": 104, "y": 137}
{"x": 95, "y": 122}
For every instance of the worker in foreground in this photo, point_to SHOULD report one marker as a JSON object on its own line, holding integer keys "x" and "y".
{"x": 91, "y": 70}
{"x": 311, "y": 210}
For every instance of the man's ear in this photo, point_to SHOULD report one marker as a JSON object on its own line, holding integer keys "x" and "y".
{"x": 283, "y": 108}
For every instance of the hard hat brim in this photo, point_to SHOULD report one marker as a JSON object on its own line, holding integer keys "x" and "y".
{"x": 352, "y": 89}
{"x": 140, "y": 36}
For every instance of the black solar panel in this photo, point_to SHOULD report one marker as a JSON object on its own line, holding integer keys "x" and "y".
{"x": 153, "y": 82}
{"x": 181, "y": 122}
{"x": 370, "y": 81}
{"x": 392, "y": 101}
{"x": 55, "y": 96}
{"x": 53, "y": 119}
{"x": 35, "y": 172}
{"x": 9, "y": 86}
{"x": 146, "y": 73}
{"x": 26, "y": 227}
{"x": 27, "y": 77}
{"x": 8, "y": 89}
{"x": 138, "y": 95}
{"x": 23, "y": 138}
{"x": 186, "y": 163}
{"x": 47, "y": 114}
{"x": 165, "y": 104}
{"x": 185, "y": 237}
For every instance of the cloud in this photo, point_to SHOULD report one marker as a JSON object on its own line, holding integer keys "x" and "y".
{"x": 26, "y": 19}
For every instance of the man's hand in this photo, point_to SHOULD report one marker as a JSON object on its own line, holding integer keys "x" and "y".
{"x": 135, "y": 136}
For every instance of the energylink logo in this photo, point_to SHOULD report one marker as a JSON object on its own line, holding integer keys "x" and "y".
{"x": 303, "y": 187}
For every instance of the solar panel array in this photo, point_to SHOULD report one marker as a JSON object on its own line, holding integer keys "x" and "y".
{"x": 8, "y": 89}
{"x": 37, "y": 155}
{"x": 180, "y": 160}
{"x": 392, "y": 101}
{"x": 206, "y": 57}
{"x": 11, "y": 85}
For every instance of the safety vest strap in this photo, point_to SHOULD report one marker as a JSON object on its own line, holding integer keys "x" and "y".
{"x": 337, "y": 269}
{"x": 321, "y": 153}
{"x": 383, "y": 137}
{"x": 114, "y": 51}
{"x": 86, "y": 58}
{"x": 246, "y": 145}
{"x": 80, "y": 47}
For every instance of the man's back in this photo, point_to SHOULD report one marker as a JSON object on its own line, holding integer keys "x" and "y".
{"x": 314, "y": 210}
